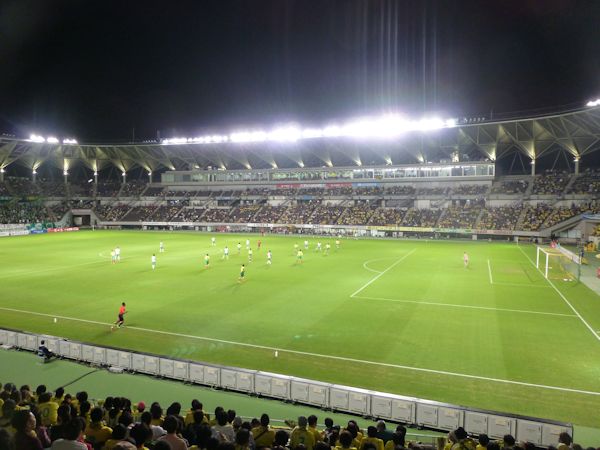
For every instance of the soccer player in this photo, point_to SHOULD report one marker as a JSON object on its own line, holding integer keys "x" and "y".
{"x": 121, "y": 320}
{"x": 466, "y": 259}
{"x": 242, "y": 273}
{"x": 153, "y": 261}
{"x": 161, "y": 247}
{"x": 337, "y": 244}
{"x": 118, "y": 253}
{"x": 113, "y": 257}
{"x": 269, "y": 257}
{"x": 318, "y": 246}
{"x": 327, "y": 248}
{"x": 213, "y": 241}
{"x": 226, "y": 253}
{"x": 247, "y": 244}
{"x": 305, "y": 244}
{"x": 295, "y": 248}
{"x": 207, "y": 261}
{"x": 239, "y": 247}
{"x": 249, "y": 255}
{"x": 258, "y": 244}
{"x": 299, "y": 256}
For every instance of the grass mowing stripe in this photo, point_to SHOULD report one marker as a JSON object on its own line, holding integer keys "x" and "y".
{"x": 382, "y": 273}
{"x": 596, "y": 335}
{"x": 450, "y": 305}
{"x": 318, "y": 355}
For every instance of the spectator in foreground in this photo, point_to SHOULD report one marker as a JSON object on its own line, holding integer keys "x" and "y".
{"x": 44, "y": 352}
{"x": 564, "y": 441}
{"x": 96, "y": 432}
{"x": 170, "y": 425}
{"x": 301, "y": 435}
{"x": 263, "y": 435}
{"x": 73, "y": 434}
{"x": 23, "y": 422}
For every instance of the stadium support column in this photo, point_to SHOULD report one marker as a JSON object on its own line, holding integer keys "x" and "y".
{"x": 576, "y": 165}
{"x": 95, "y": 178}
{"x": 124, "y": 177}
{"x": 1, "y": 174}
{"x": 532, "y": 167}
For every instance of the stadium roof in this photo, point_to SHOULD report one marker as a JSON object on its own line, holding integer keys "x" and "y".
{"x": 575, "y": 134}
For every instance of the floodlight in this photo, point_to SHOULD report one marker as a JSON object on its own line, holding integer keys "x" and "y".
{"x": 95, "y": 173}
{"x": 286, "y": 134}
{"x": 52, "y": 140}
{"x": 1, "y": 169}
{"x": 123, "y": 173}
{"x": 36, "y": 138}
{"x": 149, "y": 173}
{"x": 65, "y": 173}
{"x": 69, "y": 141}
{"x": 593, "y": 102}
{"x": 34, "y": 171}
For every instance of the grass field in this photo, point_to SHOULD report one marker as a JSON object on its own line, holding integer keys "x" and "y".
{"x": 396, "y": 316}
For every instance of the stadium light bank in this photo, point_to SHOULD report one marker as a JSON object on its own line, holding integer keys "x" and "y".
{"x": 592, "y": 103}
{"x": 384, "y": 127}
{"x": 50, "y": 140}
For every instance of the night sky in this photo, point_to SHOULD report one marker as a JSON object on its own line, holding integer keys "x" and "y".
{"x": 96, "y": 70}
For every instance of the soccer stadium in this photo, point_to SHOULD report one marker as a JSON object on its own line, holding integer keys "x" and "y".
{"x": 386, "y": 281}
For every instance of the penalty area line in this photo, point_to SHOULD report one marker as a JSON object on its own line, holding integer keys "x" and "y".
{"x": 376, "y": 277}
{"x": 319, "y": 355}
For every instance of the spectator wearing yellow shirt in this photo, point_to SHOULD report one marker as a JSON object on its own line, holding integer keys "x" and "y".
{"x": 564, "y": 441}
{"x": 97, "y": 433}
{"x": 118, "y": 434}
{"x": 398, "y": 439}
{"x": 263, "y": 435}
{"x": 196, "y": 406}
{"x": 301, "y": 435}
{"x": 345, "y": 441}
{"x": 312, "y": 426}
{"x": 48, "y": 409}
{"x": 484, "y": 440}
{"x": 371, "y": 438}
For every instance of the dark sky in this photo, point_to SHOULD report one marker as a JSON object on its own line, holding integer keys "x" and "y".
{"x": 97, "y": 69}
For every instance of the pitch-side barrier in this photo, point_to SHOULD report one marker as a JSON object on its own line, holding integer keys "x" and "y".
{"x": 346, "y": 399}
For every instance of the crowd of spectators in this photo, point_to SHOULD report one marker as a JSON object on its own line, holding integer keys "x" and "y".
{"x": 368, "y": 190}
{"x": 421, "y": 217}
{"x": 217, "y": 215}
{"x": 189, "y": 215}
{"x": 269, "y": 214}
{"x": 244, "y": 213}
{"x": 563, "y": 213}
{"x": 299, "y": 213}
{"x": 356, "y": 215}
{"x": 81, "y": 189}
{"x": 535, "y": 216}
{"x": 23, "y": 212}
{"x": 325, "y": 214}
{"x": 460, "y": 216}
{"x": 433, "y": 191}
{"x": 53, "y": 188}
{"x": 4, "y": 192}
{"x": 500, "y": 218}
{"x": 140, "y": 213}
{"x": 154, "y": 191}
{"x": 34, "y": 420}
{"x": 133, "y": 188}
{"x": 386, "y": 216}
{"x": 22, "y": 186}
{"x": 111, "y": 213}
{"x": 108, "y": 188}
{"x": 400, "y": 190}
{"x": 587, "y": 183}
{"x": 550, "y": 183}
{"x": 510, "y": 187}
{"x": 470, "y": 189}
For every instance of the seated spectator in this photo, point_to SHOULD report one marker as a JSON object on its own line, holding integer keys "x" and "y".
{"x": 23, "y": 422}
{"x": 564, "y": 441}
{"x": 371, "y": 438}
{"x": 398, "y": 438}
{"x": 301, "y": 435}
{"x": 157, "y": 431}
{"x": 8, "y": 409}
{"x": 6, "y": 440}
{"x": 484, "y": 440}
{"x": 345, "y": 441}
{"x": 509, "y": 442}
{"x": 44, "y": 352}
{"x": 40, "y": 430}
{"x": 242, "y": 439}
{"x": 97, "y": 433}
{"x": 73, "y": 437}
{"x": 263, "y": 435}
{"x": 196, "y": 406}
{"x": 312, "y": 427}
{"x": 140, "y": 434}
{"x": 382, "y": 433}
{"x": 223, "y": 430}
{"x": 119, "y": 433}
{"x": 281, "y": 439}
{"x": 170, "y": 425}
{"x": 48, "y": 409}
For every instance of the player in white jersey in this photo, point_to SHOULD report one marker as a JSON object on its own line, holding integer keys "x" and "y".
{"x": 226, "y": 253}
{"x": 239, "y": 247}
{"x": 113, "y": 257}
{"x": 247, "y": 244}
{"x": 118, "y": 253}
{"x": 466, "y": 259}
{"x": 318, "y": 246}
{"x": 161, "y": 247}
{"x": 269, "y": 257}
{"x": 305, "y": 245}
{"x": 153, "y": 260}
{"x": 249, "y": 255}
{"x": 213, "y": 241}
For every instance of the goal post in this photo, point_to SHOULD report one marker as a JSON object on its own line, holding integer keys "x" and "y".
{"x": 558, "y": 263}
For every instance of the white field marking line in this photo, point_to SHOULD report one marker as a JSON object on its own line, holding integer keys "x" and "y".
{"x": 520, "y": 285}
{"x": 490, "y": 272}
{"x": 596, "y": 335}
{"x": 366, "y": 264}
{"x": 450, "y": 305}
{"x": 376, "y": 277}
{"x": 318, "y": 355}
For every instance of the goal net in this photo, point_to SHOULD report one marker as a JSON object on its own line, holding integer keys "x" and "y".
{"x": 558, "y": 263}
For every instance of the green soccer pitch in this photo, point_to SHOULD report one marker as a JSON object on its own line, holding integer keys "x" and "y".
{"x": 396, "y": 316}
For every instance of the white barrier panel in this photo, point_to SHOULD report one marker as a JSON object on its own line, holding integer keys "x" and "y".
{"x": 339, "y": 399}
{"x": 280, "y": 387}
{"x": 87, "y": 353}
{"x": 125, "y": 360}
{"x": 32, "y": 342}
{"x": 245, "y": 381}
{"x": 64, "y": 348}
{"x": 22, "y": 340}
{"x": 138, "y": 363}
{"x": 180, "y": 370}
{"x": 381, "y": 406}
{"x": 404, "y": 411}
{"x": 476, "y": 423}
{"x": 75, "y": 350}
{"x": 50, "y": 342}
{"x": 228, "y": 379}
{"x": 272, "y": 385}
{"x": 262, "y": 384}
{"x": 359, "y": 402}
{"x": 112, "y": 357}
{"x": 498, "y": 426}
{"x": 318, "y": 394}
{"x": 151, "y": 365}
{"x": 11, "y": 338}
{"x": 551, "y": 432}
{"x": 196, "y": 374}
{"x": 528, "y": 431}
{"x": 99, "y": 355}
{"x": 427, "y": 415}
{"x": 449, "y": 418}
{"x": 3, "y": 337}
{"x": 299, "y": 391}
{"x": 167, "y": 368}
{"x": 212, "y": 376}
